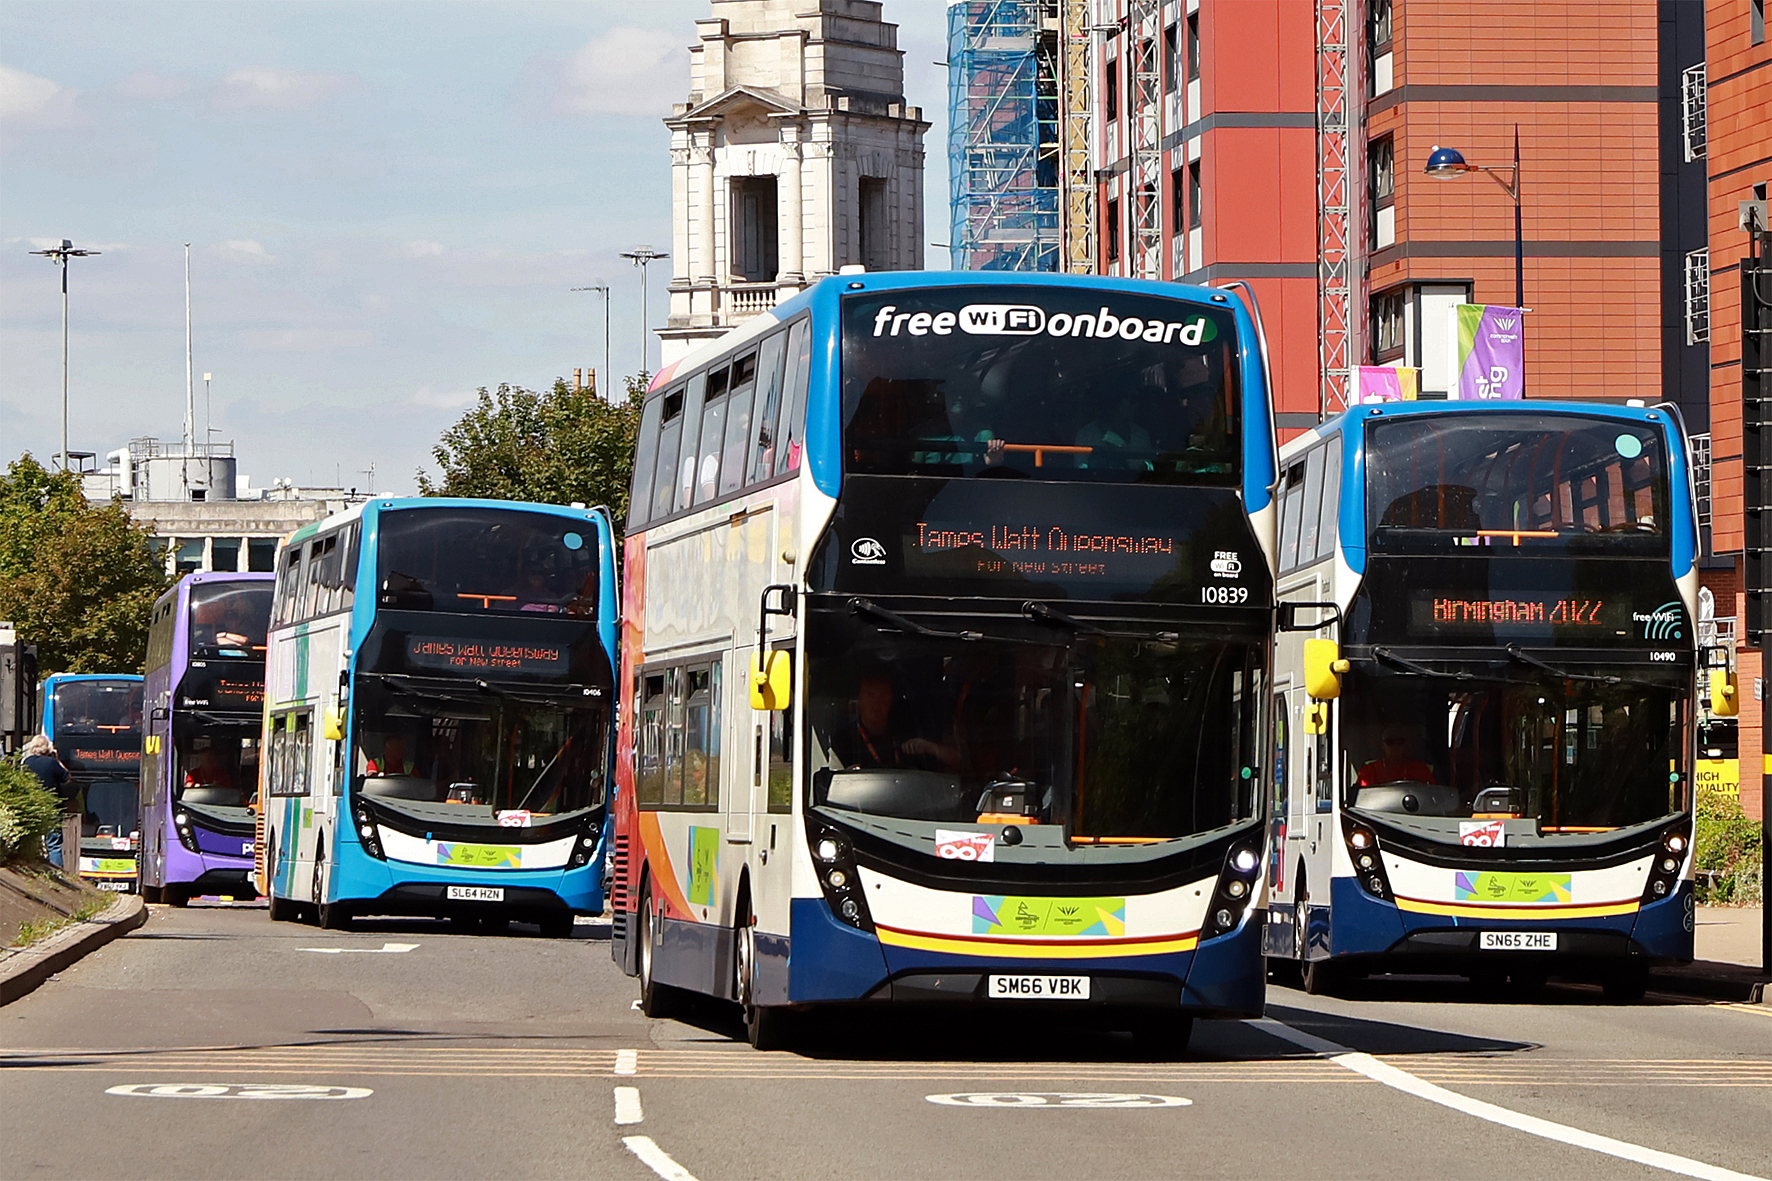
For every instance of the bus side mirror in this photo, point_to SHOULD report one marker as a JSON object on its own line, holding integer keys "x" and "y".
{"x": 1323, "y": 667}
{"x": 772, "y": 686}
{"x": 1724, "y": 701}
{"x": 335, "y": 726}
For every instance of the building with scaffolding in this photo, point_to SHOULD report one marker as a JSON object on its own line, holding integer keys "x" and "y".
{"x": 1003, "y": 142}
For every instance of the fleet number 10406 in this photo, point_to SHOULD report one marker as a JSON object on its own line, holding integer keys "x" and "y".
{"x": 1224, "y": 595}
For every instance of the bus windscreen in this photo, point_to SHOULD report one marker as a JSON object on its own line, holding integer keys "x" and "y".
{"x": 98, "y": 726}
{"x": 230, "y": 619}
{"x": 1516, "y": 482}
{"x": 1040, "y": 383}
{"x": 487, "y": 560}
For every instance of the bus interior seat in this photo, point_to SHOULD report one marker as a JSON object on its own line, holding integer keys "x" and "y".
{"x": 1436, "y": 506}
{"x": 212, "y": 794}
{"x": 400, "y": 787}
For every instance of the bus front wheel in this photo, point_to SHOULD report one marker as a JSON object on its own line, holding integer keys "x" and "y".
{"x": 766, "y": 1027}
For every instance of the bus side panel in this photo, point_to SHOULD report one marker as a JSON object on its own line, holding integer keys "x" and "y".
{"x": 627, "y": 853}
{"x": 1664, "y": 929}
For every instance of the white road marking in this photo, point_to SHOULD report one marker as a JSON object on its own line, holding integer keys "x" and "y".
{"x": 627, "y": 1061}
{"x": 1402, "y": 1080}
{"x": 657, "y": 1159}
{"x": 1052, "y": 1099}
{"x": 238, "y": 1091}
{"x": 635, "y": 1007}
{"x": 386, "y": 948}
{"x": 627, "y": 1105}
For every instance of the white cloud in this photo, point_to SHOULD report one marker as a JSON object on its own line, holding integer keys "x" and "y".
{"x": 146, "y": 86}
{"x": 625, "y": 71}
{"x": 307, "y": 340}
{"x": 30, "y": 103}
{"x": 278, "y": 90}
{"x": 244, "y": 250}
{"x": 422, "y": 248}
{"x": 429, "y": 395}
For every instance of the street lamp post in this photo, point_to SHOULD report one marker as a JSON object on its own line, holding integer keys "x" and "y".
{"x": 608, "y": 376}
{"x": 640, "y": 256}
{"x": 60, "y": 256}
{"x": 1446, "y": 163}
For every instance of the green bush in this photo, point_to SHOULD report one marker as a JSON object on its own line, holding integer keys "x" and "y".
{"x": 1728, "y": 844}
{"x": 27, "y": 812}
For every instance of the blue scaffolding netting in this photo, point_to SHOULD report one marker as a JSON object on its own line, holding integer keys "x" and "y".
{"x": 1002, "y": 137}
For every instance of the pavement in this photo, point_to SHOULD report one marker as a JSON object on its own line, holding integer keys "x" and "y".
{"x": 402, "y": 1049}
{"x": 1728, "y": 935}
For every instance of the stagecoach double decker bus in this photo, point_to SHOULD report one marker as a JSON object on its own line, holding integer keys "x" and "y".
{"x": 95, "y": 723}
{"x": 946, "y": 635}
{"x": 1485, "y": 744}
{"x": 200, "y": 752}
{"x": 438, "y": 714}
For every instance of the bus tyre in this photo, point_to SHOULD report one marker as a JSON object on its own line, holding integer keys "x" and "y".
{"x": 656, "y": 1000}
{"x": 1625, "y": 985}
{"x": 765, "y": 1026}
{"x": 283, "y": 910}
{"x": 1319, "y": 976}
{"x": 556, "y": 926}
{"x": 176, "y": 895}
{"x": 152, "y": 893}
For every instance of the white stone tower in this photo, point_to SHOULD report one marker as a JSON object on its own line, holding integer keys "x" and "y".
{"x": 795, "y": 155}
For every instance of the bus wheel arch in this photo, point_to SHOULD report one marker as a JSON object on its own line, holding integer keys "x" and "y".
{"x": 766, "y": 1027}
{"x": 656, "y": 1000}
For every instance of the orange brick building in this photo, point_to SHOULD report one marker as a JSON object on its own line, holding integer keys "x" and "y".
{"x": 1737, "y": 123}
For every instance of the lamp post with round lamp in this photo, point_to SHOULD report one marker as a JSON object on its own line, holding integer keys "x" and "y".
{"x": 1446, "y": 163}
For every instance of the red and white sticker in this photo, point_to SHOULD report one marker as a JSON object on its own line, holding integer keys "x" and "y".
{"x": 515, "y": 818}
{"x": 1485, "y": 834}
{"x": 965, "y": 846}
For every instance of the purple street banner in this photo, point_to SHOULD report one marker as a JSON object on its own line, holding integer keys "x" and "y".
{"x": 1384, "y": 383}
{"x": 1491, "y": 352}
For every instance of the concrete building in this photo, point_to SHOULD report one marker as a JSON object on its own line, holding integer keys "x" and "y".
{"x": 205, "y": 516}
{"x": 794, "y": 156}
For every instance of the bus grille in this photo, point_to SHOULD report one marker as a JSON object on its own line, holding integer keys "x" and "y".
{"x": 618, "y": 877}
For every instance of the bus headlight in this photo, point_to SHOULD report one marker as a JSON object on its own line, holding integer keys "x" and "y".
{"x": 1664, "y": 870}
{"x": 1362, "y": 843}
{"x": 187, "y": 834}
{"x": 838, "y": 878}
{"x": 585, "y": 848}
{"x": 367, "y": 834}
{"x": 1235, "y": 890}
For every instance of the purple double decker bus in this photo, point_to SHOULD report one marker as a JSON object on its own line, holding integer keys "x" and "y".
{"x": 200, "y": 748}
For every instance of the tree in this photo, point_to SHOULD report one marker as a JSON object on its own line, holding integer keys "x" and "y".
{"x": 77, "y": 579}
{"x": 556, "y": 447}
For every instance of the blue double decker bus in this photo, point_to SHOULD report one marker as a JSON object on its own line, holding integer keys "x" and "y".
{"x": 95, "y": 724}
{"x": 438, "y": 714}
{"x": 1487, "y": 739}
{"x": 947, "y": 614}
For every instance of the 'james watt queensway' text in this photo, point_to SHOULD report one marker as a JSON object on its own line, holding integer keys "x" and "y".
{"x": 1030, "y": 539}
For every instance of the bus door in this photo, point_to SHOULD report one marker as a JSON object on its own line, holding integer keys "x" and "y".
{"x": 1279, "y": 813}
{"x": 771, "y": 768}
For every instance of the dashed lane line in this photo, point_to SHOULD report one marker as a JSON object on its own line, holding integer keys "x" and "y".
{"x": 627, "y": 1106}
{"x": 627, "y": 1061}
{"x": 1402, "y": 1080}
{"x": 656, "y": 1158}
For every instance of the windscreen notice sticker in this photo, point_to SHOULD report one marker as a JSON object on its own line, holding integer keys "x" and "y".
{"x": 965, "y": 846}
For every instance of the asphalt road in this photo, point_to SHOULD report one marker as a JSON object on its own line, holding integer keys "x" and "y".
{"x": 517, "y": 1056}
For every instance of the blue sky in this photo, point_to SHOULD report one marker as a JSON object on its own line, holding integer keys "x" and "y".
{"x": 388, "y": 204}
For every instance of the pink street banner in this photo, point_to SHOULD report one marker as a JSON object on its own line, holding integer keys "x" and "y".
{"x": 1384, "y": 383}
{"x": 1491, "y": 352}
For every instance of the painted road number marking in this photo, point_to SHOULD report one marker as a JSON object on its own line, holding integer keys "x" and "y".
{"x": 1518, "y": 941}
{"x": 1040, "y": 988}
{"x": 475, "y": 893}
{"x": 1046, "y": 1099}
{"x": 239, "y": 1091}
{"x": 384, "y": 949}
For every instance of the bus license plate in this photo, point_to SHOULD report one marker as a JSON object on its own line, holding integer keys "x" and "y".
{"x": 1040, "y": 988}
{"x": 1518, "y": 941}
{"x": 475, "y": 893}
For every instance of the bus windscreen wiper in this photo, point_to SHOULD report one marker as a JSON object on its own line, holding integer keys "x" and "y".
{"x": 910, "y": 627}
{"x": 1042, "y": 613}
{"x": 1515, "y": 652}
{"x": 1421, "y": 670}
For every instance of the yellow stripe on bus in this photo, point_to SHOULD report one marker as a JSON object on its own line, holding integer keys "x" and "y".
{"x": 994, "y": 949}
{"x": 1529, "y": 913}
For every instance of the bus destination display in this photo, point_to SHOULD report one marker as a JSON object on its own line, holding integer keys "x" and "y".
{"x": 1036, "y": 550}
{"x": 462, "y": 655}
{"x": 235, "y": 686}
{"x": 1438, "y": 613}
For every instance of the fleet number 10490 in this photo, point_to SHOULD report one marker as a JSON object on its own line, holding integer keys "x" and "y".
{"x": 1224, "y": 595}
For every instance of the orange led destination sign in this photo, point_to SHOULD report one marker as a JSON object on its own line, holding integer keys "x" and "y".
{"x": 1438, "y": 612}
{"x": 484, "y": 655}
{"x": 1038, "y": 549}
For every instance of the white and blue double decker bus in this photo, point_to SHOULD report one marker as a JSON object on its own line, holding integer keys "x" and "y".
{"x": 1486, "y": 746}
{"x": 946, "y": 638}
{"x": 438, "y": 714}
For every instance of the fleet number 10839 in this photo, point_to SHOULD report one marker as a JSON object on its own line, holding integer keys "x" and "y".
{"x": 1224, "y": 595}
